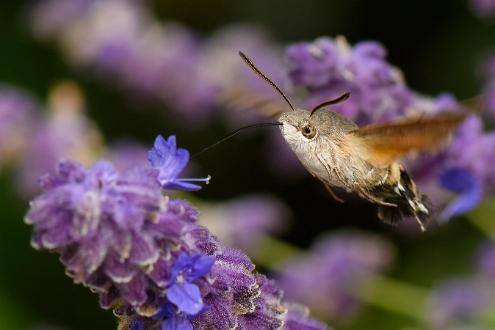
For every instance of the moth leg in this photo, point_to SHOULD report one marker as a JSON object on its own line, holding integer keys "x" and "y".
{"x": 421, "y": 225}
{"x": 337, "y": 198}
{"x": 375, "y": 199}
{"x": 334, "y": 195}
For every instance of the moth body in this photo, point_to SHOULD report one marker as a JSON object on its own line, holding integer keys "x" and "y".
{"x": 322, "y": 144}
{"x": 327, "y": 147}
{"x": 363, "y": 159}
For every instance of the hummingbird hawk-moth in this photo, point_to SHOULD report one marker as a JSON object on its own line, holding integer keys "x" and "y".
{"x": 363, "y": 159}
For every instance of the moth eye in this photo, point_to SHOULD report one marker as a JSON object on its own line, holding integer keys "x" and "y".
{"x": 308, "y": 131}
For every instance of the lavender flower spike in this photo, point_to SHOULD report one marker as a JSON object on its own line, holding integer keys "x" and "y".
{"x": 170, "y": 161}
{"x": 145, "y": 254}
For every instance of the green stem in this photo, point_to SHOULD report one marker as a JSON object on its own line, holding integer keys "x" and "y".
{"x": 273, "y": 252}
{"x": 394, "y": 296}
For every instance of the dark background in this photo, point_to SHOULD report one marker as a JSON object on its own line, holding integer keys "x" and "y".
{"x": 437, "y": 44}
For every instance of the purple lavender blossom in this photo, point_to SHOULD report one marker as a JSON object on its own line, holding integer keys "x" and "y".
{"x": 337, "y": 265}
{"x": 456, "y": 302}
{"x": 170, "y": 162}
{"x": 17, "y": 113}
{"x": 467, "y": 171}
{"x": 468, "y": 188}
{"x": 144, "y": 253}
{"x": 329, "y": 67}
{"x": 64, "y": 133}
{"x": 54, "y": 15}
{"x": 487, "y": 72}
{"x": 486, "y": 261}
{"x": 148, "y": 59}
{"x": 483, "y": 8}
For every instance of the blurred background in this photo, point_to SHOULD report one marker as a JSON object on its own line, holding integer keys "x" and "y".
{"x": 73, "y": 100}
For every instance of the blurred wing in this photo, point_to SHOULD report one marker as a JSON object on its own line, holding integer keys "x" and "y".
{"x": 383, "y": 144}
{"x": 253, "y": 102}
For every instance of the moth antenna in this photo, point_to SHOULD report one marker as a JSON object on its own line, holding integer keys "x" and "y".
{"x": 339, "y": 99}
{"x": 262, "y": 75}
{"x": 234, "y": 133}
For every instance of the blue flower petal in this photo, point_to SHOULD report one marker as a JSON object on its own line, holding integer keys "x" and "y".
{"x": 170, "y": 162}
{"x": 192, "y": 267}
{"x": 182, "y": 262}
{"x": 186, "y": 297}
{"x": 181, "y": 185}
{"x": 173, "y": 164}
{"x": 201, "y": 266}
{"x": 177, "y": 323}
{"x": 138, "y": 325}
{"x": 468, "y": 187}
{"x": 458, "y": 180}
{"x": 165, "y": 311}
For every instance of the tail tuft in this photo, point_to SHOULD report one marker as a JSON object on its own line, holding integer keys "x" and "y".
{"x": 409, "y": 202}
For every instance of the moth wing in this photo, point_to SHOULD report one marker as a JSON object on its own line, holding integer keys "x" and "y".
{"x": 245, "y": 100}
{"x": 382, "y": 144}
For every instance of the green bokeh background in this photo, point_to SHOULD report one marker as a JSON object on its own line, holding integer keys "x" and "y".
{"x": 438, "y": 45}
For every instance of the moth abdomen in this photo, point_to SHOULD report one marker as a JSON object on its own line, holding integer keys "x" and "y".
{"x": 402, "y": 192}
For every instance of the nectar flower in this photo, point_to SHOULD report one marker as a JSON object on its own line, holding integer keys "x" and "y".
{"x": 144, "y": 253}
{"x": 468, "y": 188}
{"x": 183, "y": 292}
{"x": 170, "y": 162}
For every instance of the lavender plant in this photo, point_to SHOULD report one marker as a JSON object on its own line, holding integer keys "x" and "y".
{"x": 17, "y": 116}
{"x": 338, "y": 266}
{"x": 145, "y": 255}
{"x": 122, "y": 234}
{"x": 327, "y": 67}
{"x": 64, "y": 132}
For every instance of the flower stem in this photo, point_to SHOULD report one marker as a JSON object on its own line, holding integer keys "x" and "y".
{"x": 273, "y": 252}
{"x": 394, "y": 296}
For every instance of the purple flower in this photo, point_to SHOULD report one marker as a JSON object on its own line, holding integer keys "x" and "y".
{"x": 483, "y": 8}
{"x": 52, "y": 16}
{"x": 455, "y": 302}
{"x": 170, "y": 162}
{"x": 64, "y": 133}
{"x": 337, "y": 265}
{"x": 468, "y": 188}
{"x": 172, "y": 319}
{"x": 176, "y": 323}
{"x": 329, "y": 67}
{"x": 182, "y": 292}
{"x": 486, "y": 261}
{"x": 464, "y": 169}
{"x": 144, "y": 253}
{"x": 297, "y": 319}
{"x": 17, "y": 115}
{"x": 147, "y": 58}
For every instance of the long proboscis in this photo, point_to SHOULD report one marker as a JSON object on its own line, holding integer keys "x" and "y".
{"x": 231, "y": 135}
